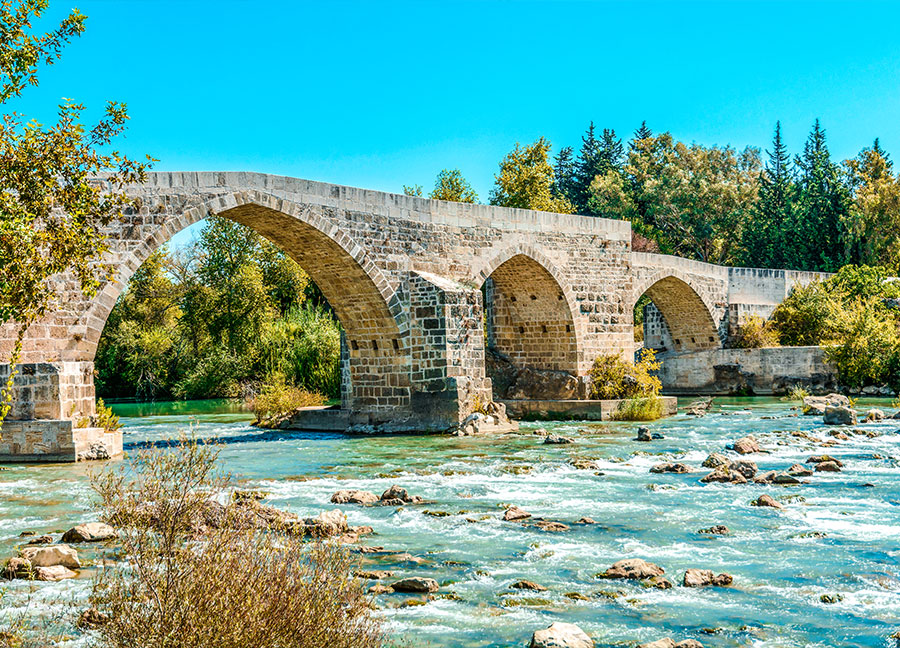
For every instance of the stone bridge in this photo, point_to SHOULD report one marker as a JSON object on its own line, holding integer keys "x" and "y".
{"x": 408, "y": 278}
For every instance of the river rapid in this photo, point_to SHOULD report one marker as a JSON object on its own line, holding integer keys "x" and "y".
{"x": 838, "y": 535}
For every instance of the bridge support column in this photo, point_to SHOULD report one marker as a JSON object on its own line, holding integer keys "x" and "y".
{"x": 52, "y": 406}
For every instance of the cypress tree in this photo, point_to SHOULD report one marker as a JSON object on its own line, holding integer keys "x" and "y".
{"x": 564, "y": 174}
{"x": 641, "y": 133}
{"x": 823, "y": 202}
{"x": 765, "y": 240}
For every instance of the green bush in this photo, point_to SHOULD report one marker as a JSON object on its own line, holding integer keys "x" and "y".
{"x": 278, "y": 399}
{"x": 216, "y": 375}
{"x": 869, "y": 347}
{"x": 807, "y": 316}
{"x": 613, "y": 377}
{"x": 647, "y": 408}
{"x": 755, "y": 333}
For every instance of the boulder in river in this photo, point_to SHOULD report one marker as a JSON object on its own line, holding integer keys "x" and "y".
{"x": 705, "y": 578}
{"x": 397, "y": 495}
{"x": 717, "y": 529}
{"x": 585, "y": 520}
{"x": 416, "y": 585}
{"x": 514, "y": 513}
{"x": 354, "y": 497}
{"x": 528, "y": 585}
{"x": 745, "y": 445}
{"x": 670, "y": 468}
{"x": 839, "y": 416}
{"x": 53, "y": 573}
{"x": 632, "y": 569}
{"x": 828, "y": 466}
{"x": 799, "y": 470}
{"x": 767, "y": 500}
{"x": 43, "y": 540}
{"x": 326, "y": 524}
{"x": 550, "y": 525}
{"x": 815, "y": 405}
{"x": 90, "y": 532}
{"x": 724, "y": 475}
{"x": 51, "y": 555}
{"x": 874, "y": 415}
{"x": 16, "y": 567}
{"x": 556, "y": 439}
{"x": 817, "y": 459}
{"x": 744, "y": 466}
{"x": 715, "y": 460}
{"x": 561, "y": 635}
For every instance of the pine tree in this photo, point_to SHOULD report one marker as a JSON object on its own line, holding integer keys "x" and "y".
{"x": 564, "y": 174}
{"x": 641, "y": 133}
{"x": 765, "y": 241}
{"x": 823, "y": 201}
{"x": 597, "y": 157}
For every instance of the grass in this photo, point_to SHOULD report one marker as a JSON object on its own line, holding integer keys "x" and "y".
{"x": 644, "y": 408}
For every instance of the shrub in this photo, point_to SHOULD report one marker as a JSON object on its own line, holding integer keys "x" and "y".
{"x": 613, "y": 377}
{"x": 224, "y": 586}
{"x": 807, "y": 316}
{"x": 216, "y": 375}
{"x": 755, "y": 333}
{"x": 647, "y": 408}
{"x": 869, "y": 345}
{"x": 796, "y": 393}
{"x": 276, "y": 399}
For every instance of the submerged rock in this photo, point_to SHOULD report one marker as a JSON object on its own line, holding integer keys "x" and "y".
{"x": 43, "y": 540}
{"x": 632, "y": 569}
{"x": 817, "y": 459}
{"x": 90, "y": 532}
{"x": 561, "y": 635}
{"x": 550, "y": 525}
{"x": 667, "y": 642}
{"x": 528, "y": 585}
{"x": 396, "y": 496}
{"x": 555, "y": 439}
{"x": 585, "y": 520}
{"x": 718, "y": 529}
{"x": 705, "y": 578}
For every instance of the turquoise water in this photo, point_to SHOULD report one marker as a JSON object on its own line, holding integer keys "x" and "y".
{"x": 780, "y": 568}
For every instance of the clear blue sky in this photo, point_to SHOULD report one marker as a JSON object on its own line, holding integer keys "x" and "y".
{"x": 378, "y": 94}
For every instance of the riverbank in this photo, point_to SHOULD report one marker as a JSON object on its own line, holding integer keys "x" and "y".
{"x": 836, "y": 535}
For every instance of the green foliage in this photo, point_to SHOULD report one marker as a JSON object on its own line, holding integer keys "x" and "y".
{"x": 277, "y": 399}
{"x": 755, "y": 333}
{"x": 796, "y": 393}
{"x": 451, "y": 185}
{"x": 203, "y": 323}
{"x": 612, "y": 377}
{"x": 412, "y": 190}
{"x": 807, "y": 317}
{"x": 642, "y": 408}
{"x": 870, "y": 343}
{"x": 526, "y": 180}
{"x": 52, "y": 213}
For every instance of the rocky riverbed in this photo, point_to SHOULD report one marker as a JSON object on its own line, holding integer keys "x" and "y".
{"x": 498, "y": 537}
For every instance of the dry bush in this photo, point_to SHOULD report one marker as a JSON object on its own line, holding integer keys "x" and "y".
{"x": 229, "y": 587}
{"x": 277, "y": 400}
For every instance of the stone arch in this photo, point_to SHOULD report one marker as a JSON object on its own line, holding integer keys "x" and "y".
{"x": 687, "y": 315}
{"x": 530, "y": 310}
{"x": 367, "y": 306}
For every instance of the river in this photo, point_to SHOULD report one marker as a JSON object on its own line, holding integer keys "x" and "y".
{"x": 839, "y": 534}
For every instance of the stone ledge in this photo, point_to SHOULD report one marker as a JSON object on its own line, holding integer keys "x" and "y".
{"x": 578, "y": 410}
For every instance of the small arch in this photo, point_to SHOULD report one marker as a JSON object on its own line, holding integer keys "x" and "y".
{"x": 687, "y": 316}
{"x": 529, "y": 311}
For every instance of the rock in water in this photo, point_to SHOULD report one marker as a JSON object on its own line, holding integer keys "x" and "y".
{"x": 354, "y": 497}
{"x": 670, "y": 468}
{"x": 715, "y": 460}
{"x": 724, "y": 475}
{"x": 528, "y": 585}
{"x": 16, "y": 567}
{"x": 90, "y": 532}
{"x": 839, "y": 416}
{"x": 514, "y": 513}
{"x": 643, "y": 434}
{"x": 416, "y": 585}
{"x": 745, "y": 445}
{"x": 632, "y": 569}
{"x": 670, "y": 643}
{"x": 828, "y": 466}
{"x": 718, "y": 529}
{"x": 53, "y": 573}
{"x": 327, "y": 524}
{"x": 52, "y": 555}
{"x": 817, "y": 459}
{"x": 705, "y": 578}
{"x": 766, "y": 500}
{"x": 799, "y": 470}
{"x": 561, "y": 635}
{"x": 555, "y": 439}
{"x": 874, "y": 415}
{"x": 745, "y": 467}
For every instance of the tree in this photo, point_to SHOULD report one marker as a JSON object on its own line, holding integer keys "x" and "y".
{"x": 873, "y": 227}
{"x": 526, "y": 180}
{"x": 564, "y": 174}
{"x": 451, "y": 185}
{"x": 822, "y": 207}
{"x": 597, "y": 157}
{"x": 765, "y": 242}
{"x": 52, "y": 211}
{"x": 412, "y": 190}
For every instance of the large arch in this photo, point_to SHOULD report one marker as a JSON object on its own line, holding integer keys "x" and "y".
{"x": 687, "y": 316}
{"x": 529, "y": 311}
{"x": 366, "y": 305}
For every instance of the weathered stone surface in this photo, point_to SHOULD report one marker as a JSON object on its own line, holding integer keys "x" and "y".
{"x": 354, "y": 497}
{"x": 815, "y": 405}
{"x": 817, "y": 459}
{"x": 514, "y": 513}
{"x": 416, "y": 585}
{"x": 327, "y": 524}
{"x": 528, "y": 585}
{"x": 52, "y": 555}
{"x": 670, "y": 468}
{"x": 556, "y": 439}
{"x": 632, "y": 569}
{"x": 715, "y": 460}
{"x": 745, "y": 445}
{"x": 828, "y": 466}
{"x": 561, "y": 635}
{"x": 705, "y": 578}
{"x": 53, "y": 573}
{"x": 839, "y": 416}
{"x": 90, "y": 532}
{"x": 724, "y": 475}
{"x": 874, "y": 415}
{"x": 718, "y": 529}
{"x": 744, "y": 467}
{"x": 766, "y": 501}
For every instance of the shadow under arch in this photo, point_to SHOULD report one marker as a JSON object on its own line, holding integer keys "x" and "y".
{"x": 529, "y": 312}
{"x": 368, "y": 308}
{"x": 687, "y": 316}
